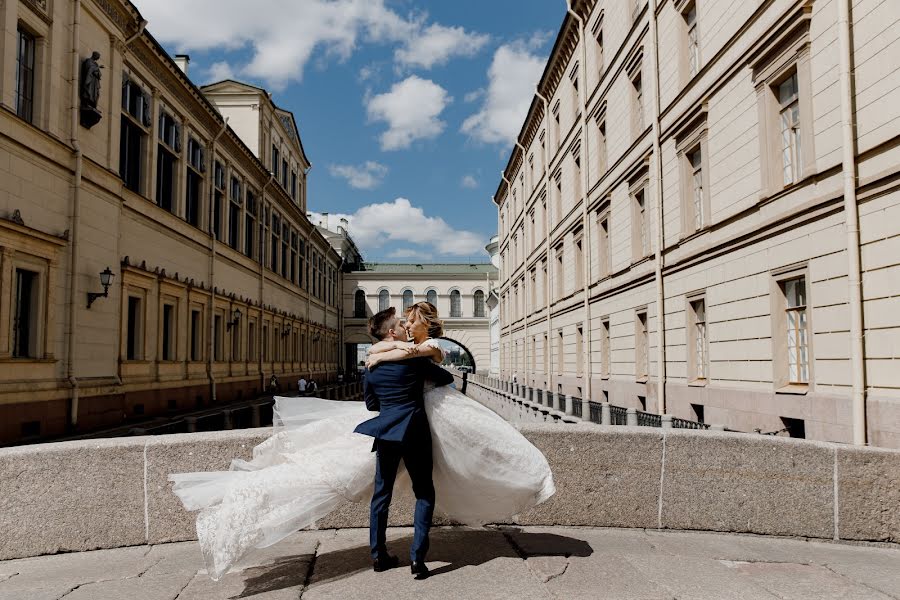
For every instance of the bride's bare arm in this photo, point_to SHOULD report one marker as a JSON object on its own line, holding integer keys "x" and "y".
{"x": 422, "y": 350}
{"x": 384, "y": 346}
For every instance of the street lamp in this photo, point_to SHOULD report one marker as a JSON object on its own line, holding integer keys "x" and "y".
{"x": 106, "y": 277}
{"x": 235, "y": 319}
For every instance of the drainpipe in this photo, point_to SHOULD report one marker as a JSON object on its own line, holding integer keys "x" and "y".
{"x": 512, "y": 220}
{"x": 656, "y": 179}
{"x": 525, "y": 369}
{"x": 212, "y": 262}
{"x": 262, "y": 271}
{"x": 851, "y": 211}
{"x": 75, "y": 216}
{"x": 586, "y": 226}
{"x": 547, "y": 284}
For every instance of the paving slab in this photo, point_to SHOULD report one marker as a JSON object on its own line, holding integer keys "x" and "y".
{"x": 520, "y": 563}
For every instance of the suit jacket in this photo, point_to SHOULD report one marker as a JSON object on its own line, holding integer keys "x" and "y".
{"x": 396, "y": 390}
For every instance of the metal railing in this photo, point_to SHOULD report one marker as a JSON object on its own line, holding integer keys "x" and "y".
{"x": 595, "y": 412}
{"x": 576, "y": 406}
{"x": 686, "y": 424}
{"x": 645, "y": 419}
{"x": 617, "y": 415}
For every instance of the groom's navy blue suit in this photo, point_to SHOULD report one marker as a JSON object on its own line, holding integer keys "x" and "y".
{"x": 401, "y": 431}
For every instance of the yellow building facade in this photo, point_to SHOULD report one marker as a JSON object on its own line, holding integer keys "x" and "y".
{"x": 218, "y": 279}
{"x": 700, "y": 216}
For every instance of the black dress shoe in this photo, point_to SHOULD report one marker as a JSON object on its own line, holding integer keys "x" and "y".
{"x": 419, "y": 569}
{"x": 384, "y": 563}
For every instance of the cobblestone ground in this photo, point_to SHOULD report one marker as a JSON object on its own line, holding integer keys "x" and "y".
{"x": 564, "y": 563}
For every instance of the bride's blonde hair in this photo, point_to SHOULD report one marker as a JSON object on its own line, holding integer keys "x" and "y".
{"x": 429, "y": 315}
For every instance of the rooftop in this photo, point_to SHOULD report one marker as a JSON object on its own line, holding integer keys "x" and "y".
{"x": 519, "y": 563}
{"x": 463, "y": 268}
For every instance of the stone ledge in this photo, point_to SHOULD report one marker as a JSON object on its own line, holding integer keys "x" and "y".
{"x": 93, "y": 494}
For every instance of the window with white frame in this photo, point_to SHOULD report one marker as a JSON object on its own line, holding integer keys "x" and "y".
{"x": 134, "y": 128}
{"x": 598, "y": 44}
{"x": 194, "y": 182}
{"x": 557, "y": 133}
{"x": 455, "y": 304}
{"x": 478, "y": 300}
{"x": 168, "y": 153}
{"x": 603, "y": 245}
{"x": 558, "y": 197}
{"x": 641, "y": 349}
{"x": 134, "y": 330}
{"x": 797, "y": 329}
{"x": 26, "y": 316}
{"x": 25, "y": 74}
{"x": 640, "y": 230}
{"x": 791, "y": 142}
{"x": 601, "y": 143}
{"x": 637, "y": 88}
{"x": 168, "y": 331}
{"x": 408, "y": 299}
{"x": 195, "y": 335}
{"x": 578, "y": 247}
{"x": 604, "y": 349}
{"x": 560, "y": 275}
{"x": 431, "y": 297}
{"x": 384, "y": 300}
{"x": 216, "y": 226}
{"x": 692, "y": 39}
{"x": 579, "y": 350}
{"x": 560, "y": 352}
{"x": 698, "y": 360}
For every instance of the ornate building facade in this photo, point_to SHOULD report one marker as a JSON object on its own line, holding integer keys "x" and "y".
{"x": 695, "y": 197}
{"x": 459, "y": 291}
{"x": 156, "y": 257}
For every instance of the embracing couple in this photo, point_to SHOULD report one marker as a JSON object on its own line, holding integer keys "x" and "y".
{"x": 463, "y": 460}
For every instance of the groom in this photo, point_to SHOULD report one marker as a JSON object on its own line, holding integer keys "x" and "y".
{"x": 401, "y": 432}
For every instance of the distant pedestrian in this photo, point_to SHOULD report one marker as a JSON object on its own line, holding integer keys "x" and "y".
{"x": 312, "y": 388}
{"x": 301, "y": 385}
{"x": 273, "y": 383}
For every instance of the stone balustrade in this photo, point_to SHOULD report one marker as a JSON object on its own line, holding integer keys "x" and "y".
{"x": 90, "y": 494}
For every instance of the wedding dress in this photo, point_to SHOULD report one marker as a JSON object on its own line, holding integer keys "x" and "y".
{"x": 484, "y": 471}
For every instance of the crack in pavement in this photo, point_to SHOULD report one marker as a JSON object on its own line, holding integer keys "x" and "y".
{"x": 552, "y": 576}
{"x": 184, "y": 587}
{"x": 5, "y": 578}
{"x": 309, "y": 569}
{"x": 524, "y": 556}
{"x": 862, "y": 583}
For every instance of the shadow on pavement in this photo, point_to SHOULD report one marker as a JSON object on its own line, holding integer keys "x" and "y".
{"x": 456, "y": 547}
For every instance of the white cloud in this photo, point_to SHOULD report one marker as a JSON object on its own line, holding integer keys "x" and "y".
{"x": 284, "y": 36}
{"x": 366, "y": 176}
{"x": 411, "y": 110}
{"x": 409, "y": 253}
{"x": 375, "y": 225}
{"x": 513, "y": 75}
{"x": 219, "y": 71}
{"x": 469, "y": 182}
{"x": 474, "y": 96}
{"x": 437, "y": 44}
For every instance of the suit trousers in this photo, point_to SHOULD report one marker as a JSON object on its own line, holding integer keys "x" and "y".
{"x": 416, "y": 455}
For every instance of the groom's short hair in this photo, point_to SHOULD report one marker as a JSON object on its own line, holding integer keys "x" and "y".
{"x": 380, "y": 324}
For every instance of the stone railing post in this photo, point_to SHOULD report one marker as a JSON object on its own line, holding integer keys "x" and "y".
{"x": 717, "y": 427}
{"x": 191, "y": 424}
{"x": 631, "y": 417}
{"x": 667, "y": 421}
{"x": 228, "y": 423}
{"x": 605, "y": 414}
{"x": 255, "y": 415}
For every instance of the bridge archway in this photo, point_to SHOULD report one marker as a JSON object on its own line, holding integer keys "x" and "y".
{"x": 457, "y": 353}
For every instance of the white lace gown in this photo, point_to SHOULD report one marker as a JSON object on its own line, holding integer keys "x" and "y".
{"x": 484, "y": 471}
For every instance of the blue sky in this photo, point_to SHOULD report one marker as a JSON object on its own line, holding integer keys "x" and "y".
{"x": 407, "y": 109}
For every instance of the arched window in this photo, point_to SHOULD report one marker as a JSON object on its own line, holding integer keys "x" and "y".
{"x": 407, "y": 299}
{"x": 455, "y": 304}
{"x": 384, "y": 300}
{"x": 359, "y": 304}
{"x": 479, "y": 303}
{"x": 431, "y": 297}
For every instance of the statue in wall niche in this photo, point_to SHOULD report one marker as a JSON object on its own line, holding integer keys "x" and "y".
{"x": 89, "y": 90}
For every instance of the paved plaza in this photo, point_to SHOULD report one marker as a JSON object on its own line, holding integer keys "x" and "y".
{"x": 527, "y": 563}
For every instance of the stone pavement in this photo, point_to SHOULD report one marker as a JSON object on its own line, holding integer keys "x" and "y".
{"x": 519, "y": 563}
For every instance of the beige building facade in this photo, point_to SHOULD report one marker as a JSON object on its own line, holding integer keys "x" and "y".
{"x": 459, "y": 291}
{"x": 218, "y": 281}
{"x": 678, "y": 217}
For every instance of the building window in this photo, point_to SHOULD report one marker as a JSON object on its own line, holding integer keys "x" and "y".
{"x": 266, "y": 350}
{"x": 285, "y": 249}
{"x": 579, "y": 351}
{"x": 134, "y": 340}
{"x": 250, "y": 226}
{"x": 135, "y": 122}
{"x": 167, "y": 350}
{"x": 25, "y": 76}
{"x": 295, "y": 238}
{"x": 26, "y": 315}
{"x": 167, "y": 161}
{"x": 692, "y": 40}
{"x": 234, "y": 213}
{"x": 478, "y": 299}
{"x": 218, "y": 200}
{"x": 637, "y": 89}
{"x": 431, "y": 297}
{"x": 576, "y": 99}
{"x": 455, "y": 304}
{"x": 603, "y": 246}
{"x": 698, "y": 360}
{"x": 236, "y": 342}
{"x": 791, "y": 144}
{"x": 557, "y": 134}
{"x": 797, "y": 327}
{"x": 560, "y": 352}
{"x": 359, "y": 304}
{"x": 598, "y": 45}
{"x": 276, "y": 161}
{"x": 194, "y": 187}
{"x": 407, "y": 299}
{"x": 284, "y": 174}
{"x": 641, "y": 348}
{"x": 576, "y": 173}
{"x": 601, "y": 144}
{"x": 275, "y": 232}
{"x": 605, "y": 349}
{"x": 578, "y": 246}
{"x": 251, "y": 341}
{"x": 294, "y": 185}
{"x": 533, "y": 298}
{"x": 196, "y": 335}
{"x": 384, "y": 300}
{"x": 558, "y": 199}
{"x": 640, "y": 233}
{"x": 218, "y": 339}
{"x": 560, "y": 275}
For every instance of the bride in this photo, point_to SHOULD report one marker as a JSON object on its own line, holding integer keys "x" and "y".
{"x": 484, "y": 470}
